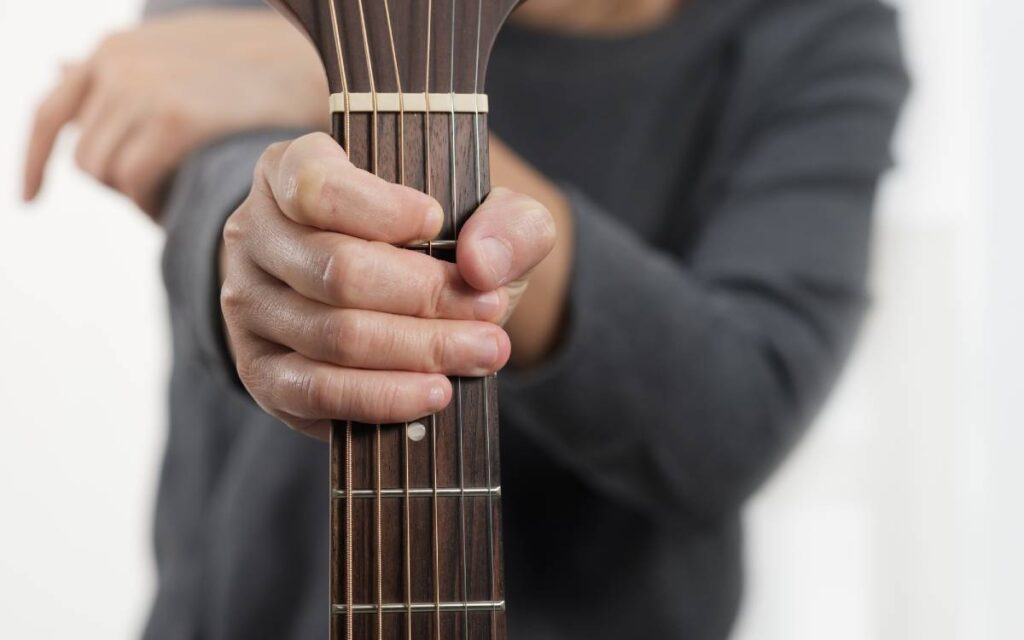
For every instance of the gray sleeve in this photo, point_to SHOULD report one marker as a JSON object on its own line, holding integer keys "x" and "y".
{"x": 685, "y": 376}
{"x": 206, "y": 189}
{"x": 157, "y": 7}
{"x": 210, "y": 184}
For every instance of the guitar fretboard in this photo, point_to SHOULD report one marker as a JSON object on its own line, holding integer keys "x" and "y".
{"x": 416, "y": 542}
{"x": 416, "y": 508}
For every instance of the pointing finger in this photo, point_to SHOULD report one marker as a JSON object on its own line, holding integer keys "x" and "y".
{"x": 53, "y": 113}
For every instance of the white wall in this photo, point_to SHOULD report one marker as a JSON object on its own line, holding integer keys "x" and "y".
{"x": 901, "y": 516}
{"x": 83, "y": 361}
{"x": 1003, "y": 564}
{"x": 897, "y": 519}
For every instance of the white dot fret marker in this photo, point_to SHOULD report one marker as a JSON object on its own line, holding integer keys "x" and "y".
{"x": 416, "y": 431}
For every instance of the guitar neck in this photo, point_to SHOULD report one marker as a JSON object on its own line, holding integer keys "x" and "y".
{"x": 416, "y": 548}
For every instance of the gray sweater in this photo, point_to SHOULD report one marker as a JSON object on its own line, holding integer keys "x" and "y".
{"x": 721, "y": 171}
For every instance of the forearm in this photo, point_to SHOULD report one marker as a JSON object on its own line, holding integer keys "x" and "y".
{"x": 633, "y": 376}
{"x": 674, "y": 391}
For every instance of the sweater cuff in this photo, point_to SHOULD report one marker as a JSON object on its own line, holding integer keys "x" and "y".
{"x": 207, "y": 189}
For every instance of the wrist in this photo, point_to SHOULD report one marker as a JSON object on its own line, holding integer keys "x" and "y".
{"x": 535, "y": 328}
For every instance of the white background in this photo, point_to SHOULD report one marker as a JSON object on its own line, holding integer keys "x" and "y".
{"x": 899, "y": 518}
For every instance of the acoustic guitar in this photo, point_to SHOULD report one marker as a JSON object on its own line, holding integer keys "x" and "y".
{"x": 416, "y": 546}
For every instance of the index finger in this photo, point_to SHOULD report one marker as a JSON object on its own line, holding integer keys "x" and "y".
{"x": 315, "y": 185}
{"x": 53, "y": 113}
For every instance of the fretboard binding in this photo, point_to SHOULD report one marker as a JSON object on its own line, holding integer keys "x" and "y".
{"x": 468, "y": 492}
{"x": 421, "y": 607}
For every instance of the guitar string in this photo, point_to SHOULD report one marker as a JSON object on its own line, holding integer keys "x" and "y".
{"x": 433, "y": 418}
{"x": 462, "y": 512}
{"x": 436, "y": 541}
{"x": 349, "y": 622}
{"x": 426, "y": 113}
{"x": 373, "y": 87}
{"x": 458, "y": 381}
{"x": 451, "y": 90}
{"x": 341, "y": 72}
{"x": 486, "y": 380}
{"x": 407, "y": 542}
{"x": 454, "y": 215}
{"x": 380, "y": 551}
{"x": 401, "y": 97}
{"x": 374, "y": 163}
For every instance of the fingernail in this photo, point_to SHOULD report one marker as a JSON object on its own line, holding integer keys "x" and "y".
{"x": 435, "y": 397}
{"x": 486, "y": 352}
{"x": 432, "y": 222}
{"x": 487, "y": 305}
{"x": 498, "y": 255}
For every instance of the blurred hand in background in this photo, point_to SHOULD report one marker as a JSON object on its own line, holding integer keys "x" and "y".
{"x": 147, "y": 97}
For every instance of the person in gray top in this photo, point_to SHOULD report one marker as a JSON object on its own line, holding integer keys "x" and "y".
{"x": 710, "y": 166}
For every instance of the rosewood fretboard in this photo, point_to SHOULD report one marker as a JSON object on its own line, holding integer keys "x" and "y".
{"x": 416, "y": 546}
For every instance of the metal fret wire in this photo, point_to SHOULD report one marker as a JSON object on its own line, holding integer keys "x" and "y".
{"x": 399, "y": 607}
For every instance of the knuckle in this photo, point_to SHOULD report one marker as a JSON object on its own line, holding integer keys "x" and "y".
{"x": 343, "y": 272}
{"x": 247, "y": 374}
{"x": 253, "y": 374}
{"x": 435, "y": 286}
{"x": 318, "y": 393}
{"x": 440, "y": 347}
{"x": 400, "y": 223}
{"x": 343, "y": 332}
{"x": 83, "y": 158}
{"x": 391, "y": 401}
{"x": 331, "y": 275}
{"x": 269, "y": 156}
{"x": 128, "y": 176}
{"x": 383, "y": 402}
{"x": 276, "y": 148}
{"x": 234, "y": 229}
{"x": 111, "y": 43}
{"x": 171, "y": 116}
{"x": 233, "y": 299}
{"x": 108, "y": 74}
